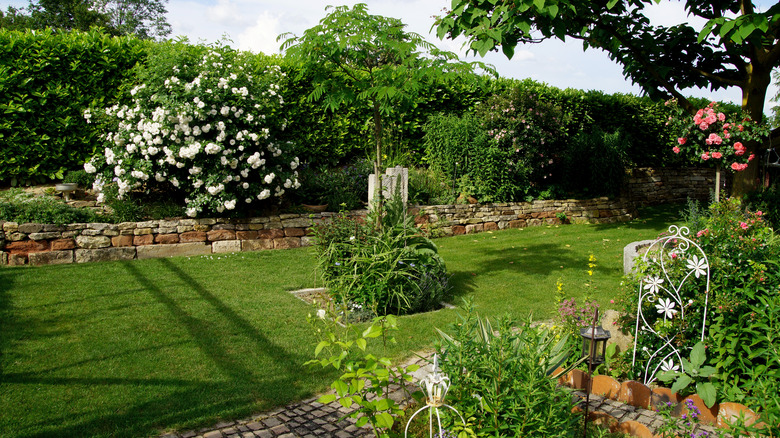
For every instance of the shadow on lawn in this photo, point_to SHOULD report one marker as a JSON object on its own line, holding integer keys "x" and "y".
{"x": 651, "y": 218}
{"x": 534, "y": 259}
{"x": 179, "y": 401}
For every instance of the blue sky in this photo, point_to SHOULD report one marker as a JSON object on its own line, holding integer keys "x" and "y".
{"x": 255, "y": 24}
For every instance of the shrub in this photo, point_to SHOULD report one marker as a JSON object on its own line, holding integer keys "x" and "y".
{"x": 745, "y": 279}
{"x": 47, "y": 80}
{"x": 594, "y": 164}
{"x": 205, "y": 120}
{"x": 501, "y": 376}
{"x": 387, "y": 269}
{"x": 766, "y": 200}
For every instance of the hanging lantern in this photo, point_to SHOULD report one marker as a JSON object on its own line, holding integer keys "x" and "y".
{"x": 594, "y": 343}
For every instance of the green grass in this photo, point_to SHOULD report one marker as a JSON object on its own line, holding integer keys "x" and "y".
{"x": 126, "y": 349}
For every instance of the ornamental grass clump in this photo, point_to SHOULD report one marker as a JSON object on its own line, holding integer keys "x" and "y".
{"x": 387, "y": 269}
{"x": 204, "y": 122}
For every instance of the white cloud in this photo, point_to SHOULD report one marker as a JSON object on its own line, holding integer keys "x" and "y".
{"x": 261, "y": 36}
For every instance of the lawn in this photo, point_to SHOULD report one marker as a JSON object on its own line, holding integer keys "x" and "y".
{"x": 126, "y": 349}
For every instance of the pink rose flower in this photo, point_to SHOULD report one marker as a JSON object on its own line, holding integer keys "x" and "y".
{"x": 705, "y": 156}
{"x": 682, "y": 140}
{"x": 743, "y": 225}
{"x": 713, "y": 139}
{"x": 750, "y": 158}
{"x": 721, "y": 117}
{"x": 738, "y": 166}
{"x": 716, "y": 155}
{"x": 676, "y": 150}
{"x": 703, "y": 126}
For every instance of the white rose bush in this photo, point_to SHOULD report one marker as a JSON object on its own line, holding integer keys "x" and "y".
{"x": 208, "y": 128}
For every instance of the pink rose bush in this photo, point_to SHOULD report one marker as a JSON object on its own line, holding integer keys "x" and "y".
{"x": 717, "y": 137}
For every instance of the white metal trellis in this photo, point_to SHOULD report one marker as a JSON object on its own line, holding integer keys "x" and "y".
{"x": 665, "y": 292}
{"x": 435, "y": 386}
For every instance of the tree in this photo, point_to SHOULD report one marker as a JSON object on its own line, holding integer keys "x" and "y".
{"x": 360, "y": 59}
{"x": 14, "y": 19}
{"x": 142, "y": 18}
{"x": 65, "y": 14}
{"x": 738, "y": 46}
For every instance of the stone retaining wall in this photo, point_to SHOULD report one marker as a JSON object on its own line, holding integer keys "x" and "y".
{"x": 44, "y": 244}
{"x": 451, "y": 220}
{"x": 648, "y": 186}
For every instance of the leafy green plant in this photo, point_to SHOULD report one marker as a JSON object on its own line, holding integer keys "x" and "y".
{"x": 693, "y": 371}
{"x": 365, "y": 380}
{"x": 504, "y": 376}
{"x": 387, "y": 269}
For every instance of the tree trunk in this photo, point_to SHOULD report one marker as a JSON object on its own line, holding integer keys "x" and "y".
{"x": 753, "y": 96}
{"x": 378, "y": 163}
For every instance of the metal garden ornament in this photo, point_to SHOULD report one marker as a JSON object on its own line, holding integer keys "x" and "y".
{"x": 674, "y": 262}
{"x": 435, "y": 386}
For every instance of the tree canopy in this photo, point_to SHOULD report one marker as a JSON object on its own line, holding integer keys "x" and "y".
{"x": 358, "y": 58}
{"x": 737, "y": 47}
{"x": 142, "y": 18}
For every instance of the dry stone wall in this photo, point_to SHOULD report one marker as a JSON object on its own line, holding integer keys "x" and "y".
{"x": 45, "y": 244}
{"x": 648, "y": 186}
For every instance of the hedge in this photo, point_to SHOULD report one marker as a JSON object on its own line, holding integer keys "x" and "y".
{"x": 47, "y": 80}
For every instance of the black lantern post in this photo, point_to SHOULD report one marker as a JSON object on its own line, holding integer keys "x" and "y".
{"x": 594, "y": 343}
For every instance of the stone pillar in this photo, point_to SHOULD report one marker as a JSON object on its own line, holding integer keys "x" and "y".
{"x": 395, "y": 179}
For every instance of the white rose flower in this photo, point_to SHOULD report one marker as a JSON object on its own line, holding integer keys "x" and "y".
{"x": 245, "y": 185}
{"x": 89, "y": 167}
{"x": 269, "y": 178}
{"x": 230, "y": 205}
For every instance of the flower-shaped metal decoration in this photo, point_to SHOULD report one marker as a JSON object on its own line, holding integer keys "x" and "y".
{"x": 435, "y": 386}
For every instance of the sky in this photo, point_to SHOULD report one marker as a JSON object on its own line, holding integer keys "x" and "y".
{"x": 254, "y": 25}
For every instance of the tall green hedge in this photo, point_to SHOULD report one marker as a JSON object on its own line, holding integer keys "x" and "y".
{"x": 47, "y": 80}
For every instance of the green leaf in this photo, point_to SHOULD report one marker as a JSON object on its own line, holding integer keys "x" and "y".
{"x": 698, "y": 355}
{"x": 362, "y": 421}
{"x": 346, "y": 402}
{"x": 340, "y": 387}
{"x": 706, "y": 391}
{"x": 707, "y": 371}
{"x": 384, "y": 420}
{"x": 327, "y": 398}
{"x": 681, "y": 383}
{"x": 373, "y": 331}
{"x": 361, "y": 343}
{"x": 539, "y": 4}
{"x": 320, "y": 346}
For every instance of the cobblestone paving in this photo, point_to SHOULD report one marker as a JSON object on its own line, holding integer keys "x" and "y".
{"x": 309, "y": 418}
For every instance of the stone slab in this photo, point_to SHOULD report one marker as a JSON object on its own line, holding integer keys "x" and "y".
{"x": 93, "y": 242}
{"x": 51, "y": 258}
{"x": 257, "y": 245}
{"x": 223, "y": 246}
{"x": 104, "y": 254}
{"x": 173, "y": 250}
